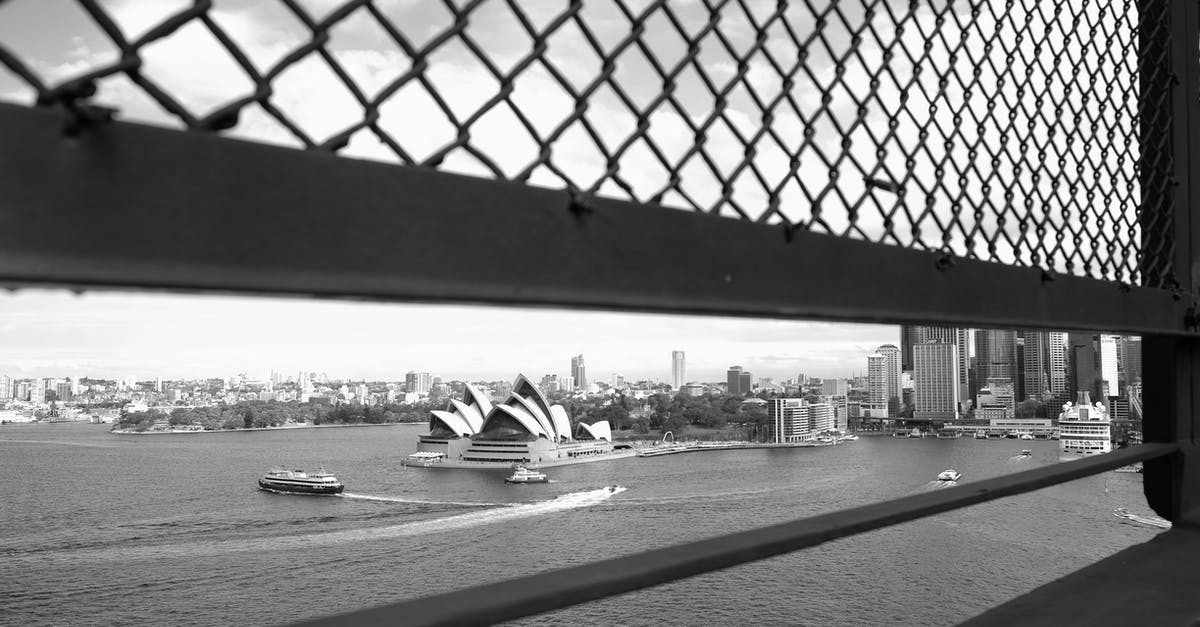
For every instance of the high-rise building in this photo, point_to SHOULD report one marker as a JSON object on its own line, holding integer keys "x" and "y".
{"x": 891, "y": 356}
{"x": 737, "y": 381}
{"x": 996, "y": 355}
{"x": 877, "y": 380}
{"x": 1057, "y": 350}
{"x": 62, "y": 391}
{"x": 418, "y": 382}
{"x": 578, "y": 372}
{"x": 935, "y": 381}
{"x": 1081, "y": 362}
{"x": 1132, "y": 359}
{"x": 1108, "y": 366}
{"x": 618, "y": 381}
{"x": 678, "y": 370}
{"x": 6, "y": 387}
{"x": 566, "y": 383}
{"x": 1036, "y": 360}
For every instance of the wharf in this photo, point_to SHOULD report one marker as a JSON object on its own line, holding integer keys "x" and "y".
{"x": 693, "y": 447}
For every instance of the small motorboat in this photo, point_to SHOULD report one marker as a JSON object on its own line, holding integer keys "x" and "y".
{"x": 949, "y": 475}
{"x": 300, "y": 482}
{"x": 1026, "y": 452}
{"x": 526, "y": 475}
{"x": 1027, "y": 436}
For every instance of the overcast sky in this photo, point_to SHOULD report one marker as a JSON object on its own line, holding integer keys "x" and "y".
{"x": 114, "y": 334}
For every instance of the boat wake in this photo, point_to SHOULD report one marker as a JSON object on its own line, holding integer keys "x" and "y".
{"x": 938, "y": 484}
{"x": 393, "y": 499}
{"x": 1150, "y": 521}
{"x": 175, "y": 550}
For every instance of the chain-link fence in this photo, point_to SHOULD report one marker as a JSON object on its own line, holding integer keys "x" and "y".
{"x": 1004, "y": 130}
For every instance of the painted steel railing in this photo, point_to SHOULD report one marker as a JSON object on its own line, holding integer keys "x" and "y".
{"x": 1010, "y": 163}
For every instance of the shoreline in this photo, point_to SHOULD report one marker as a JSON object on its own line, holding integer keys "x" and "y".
{"x": 280, "y": 428}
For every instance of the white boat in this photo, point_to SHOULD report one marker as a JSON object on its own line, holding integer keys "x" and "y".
{"x": 423, "y": 459}
{"x": 1026, "y": 436}
{"x": 300, "y": 482}
{"x": 1153, "y": 521}
{"x": 1026, "y": 452}
{"x": 949, "y": 475}
{"x": 526, "y": 475}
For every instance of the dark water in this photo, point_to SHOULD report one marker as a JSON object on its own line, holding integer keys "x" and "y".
{"x": 99, "y": 529}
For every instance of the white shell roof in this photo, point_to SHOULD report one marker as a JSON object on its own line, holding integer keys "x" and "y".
{"x": 562, "y": 423}
{"x": 454, "y": 422}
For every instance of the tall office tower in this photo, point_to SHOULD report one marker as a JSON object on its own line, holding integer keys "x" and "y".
{"x": 1132, "y": 359}
{"x": 891, "y": 356}
{"x": 158, "y": 384}
{"x": 1037, "y": 365}
{"x": 566, "y": 383}
{"x": 678, "y": 370}
{"x": 1084, "y": 375}
{"x": 577, "y": 371}
{"x": 1108, "y": 366}
{"x": 1019, "y": 382}
{"x": 1056, "y": 344}
{"x": 935, "y": 381}
{"x": 6, "y": 387}
{"x": 877, "y": 380}
{"x": 911, "y": 335}
{"x": 996, "y": 354}
{"x": 62, "y": 391}
{"x": 733, "y": 381}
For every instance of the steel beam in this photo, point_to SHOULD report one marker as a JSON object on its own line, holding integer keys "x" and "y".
{"x": 524, "y": 596}
{"x": 130, "y": 206}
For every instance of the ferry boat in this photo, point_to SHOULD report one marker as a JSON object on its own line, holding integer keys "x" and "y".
{"x": 901, "y": 433}
{"x": 424, "y": 459}
{"x": 949, "y": 475}
{"x": 300, "y": 482}
{"x": 1084, "y": 429}
{"x": 948, "y": 434}
{"x": 1026, "y": 436}
{"x": 521, "y": 474}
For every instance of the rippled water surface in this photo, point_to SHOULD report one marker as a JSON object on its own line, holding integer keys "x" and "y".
{"x": 100, "y": 529}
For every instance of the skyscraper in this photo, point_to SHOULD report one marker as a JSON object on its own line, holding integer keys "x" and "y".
{"x": 577, "y": 371}
{"x": 935, "y": 381}
{"x": 1108, "y": 366}
{"x": 1057, "y": 350}
{"x": 996, "y": 356}
{"x": 1084, "y": 375}
{"x": 1132, "y": 359}
{"x": 877, "y": 383}
{"x": 1037, "y": 364}
{"x": 6, "y": 387}
{"x": 678, "y": 370}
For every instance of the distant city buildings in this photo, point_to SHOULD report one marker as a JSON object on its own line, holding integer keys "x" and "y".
{"x": 678, "y": 370}
{"x": 579, "y": 371}
{"x": 738, "y": 381}
{"x": 794, "y": 420}
{"x": 418, "y": 382}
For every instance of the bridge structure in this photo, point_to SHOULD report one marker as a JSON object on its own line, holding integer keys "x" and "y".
{"x": 1015, "y": 164}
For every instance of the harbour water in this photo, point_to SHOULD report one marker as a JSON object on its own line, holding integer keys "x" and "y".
{"x": 103, "y": 529}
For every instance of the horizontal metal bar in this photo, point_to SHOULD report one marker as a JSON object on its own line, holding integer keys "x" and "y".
{"x": 497, "y": 602}
{"x": 125, "y": 205}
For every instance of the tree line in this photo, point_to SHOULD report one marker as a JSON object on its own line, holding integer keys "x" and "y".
{"x": 260, "y": 414}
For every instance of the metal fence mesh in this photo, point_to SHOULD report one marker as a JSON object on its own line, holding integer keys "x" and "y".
{"x": 1003, "y": 130}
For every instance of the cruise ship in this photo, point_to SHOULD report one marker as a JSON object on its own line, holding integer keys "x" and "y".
{"x": 1084, "y": 428}
{"x": 524, "y": 429}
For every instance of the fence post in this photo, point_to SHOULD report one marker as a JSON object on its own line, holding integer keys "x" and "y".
{"x": 1169, "y": 114}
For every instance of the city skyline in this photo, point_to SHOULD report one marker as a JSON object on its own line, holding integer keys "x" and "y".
{"x": 47, "y": 333}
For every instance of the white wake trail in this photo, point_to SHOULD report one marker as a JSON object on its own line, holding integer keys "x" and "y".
{"x": 395, "y": 499}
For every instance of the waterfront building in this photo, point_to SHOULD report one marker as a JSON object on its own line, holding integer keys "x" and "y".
{"x": 794, "y": 420}
{"x": 678, "y": 370}
{"x": 525, "y": 428}
{"x": 578, "y": 371}
{"x": 6, "y": 387}
{"x": 935, "y": 381}
{"x": 1084, "y": 429}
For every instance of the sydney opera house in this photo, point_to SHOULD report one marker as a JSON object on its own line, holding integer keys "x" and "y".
{"x": 525, "y": 428}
